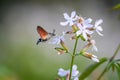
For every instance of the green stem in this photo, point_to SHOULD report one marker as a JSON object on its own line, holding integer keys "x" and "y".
{"x": 115, "y": 53}
{"x": 111, "y": 59}
{"x": 102, "y": 73}
{"x": 73, "y": 56}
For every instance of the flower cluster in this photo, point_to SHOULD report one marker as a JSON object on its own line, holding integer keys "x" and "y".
{"x": 66, "y": 73}
{"x": 81, "y": 29}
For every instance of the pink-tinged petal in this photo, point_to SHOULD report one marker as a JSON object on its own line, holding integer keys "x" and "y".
{"x": 64, "y": 23}
{"x": 98, "y": 22}
{"x": 66, "y": 16}
{"x": 73, "y": 14}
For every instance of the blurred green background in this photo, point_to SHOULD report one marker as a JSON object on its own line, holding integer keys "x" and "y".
{"x": 22, "y": 59}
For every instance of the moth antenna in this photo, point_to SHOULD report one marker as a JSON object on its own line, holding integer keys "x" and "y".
{"x": 53, "y": 31}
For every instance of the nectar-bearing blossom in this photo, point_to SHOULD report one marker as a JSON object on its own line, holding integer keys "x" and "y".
{"x": 97, "y": 27}
{"x": 58, "y": 39}
{"x": 87, "y": 23}
{"x": 83, "y": 30}
{"x": 69, "y": 19}
{"x": 66, "y": 73}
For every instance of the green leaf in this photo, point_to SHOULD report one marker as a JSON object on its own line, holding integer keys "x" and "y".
{"x": 112, "y": 64}
{"x": 91, "y": 68}
{"x": 118, "y": 69}
{"x": 116, "y": 7}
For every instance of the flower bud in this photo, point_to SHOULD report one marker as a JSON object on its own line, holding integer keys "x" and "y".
{"x": 91, "y": 56}
{"x": 60, "y": 50}
{"x": 75, "y": 28}
{"x": 64, "y": 46}
{"x": 81, "y": 20}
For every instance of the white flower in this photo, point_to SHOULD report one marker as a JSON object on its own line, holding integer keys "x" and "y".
{"x": 97, "y": 27}
{"x": 58, "y": 39}
{"x": 62, "y": 72}
{"x": 69, "y": 20}
{"x": 83, "y": 30}
{"x": 75, "y": 72}
{"x": 93, "y": 45}
{"x": 87, "y": 23}
{"x": 65, "y": 73}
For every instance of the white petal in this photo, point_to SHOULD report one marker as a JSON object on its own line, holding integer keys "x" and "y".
{"x": 78, "y": 32}
{"x": 98, "y": 22}
{"x": 89, "y": 25}
{"x": 62, "y": 38}
{"x": 79, "y": 25}
{"x": 63, "y": 33}
{"x": 71, "y": 23}
{"x": 57, "y": 39}
{"x": 73, "y": 14}
{"x": 99, "y": 33}
{"x": 75, "y": 73}
{"x": 62, "y": 72}
{"x": 95, "y": 59}
{"x": 94, "y": 56}
{"x": 95, "y": 48}
{"x": 89, "y": 20}
{"x": 64, "y": 23}
{"x": 89, "y": 32}
{"x": 66, "y": 16}
{"x": 76, "y": 78}
{"x": 99, "y": 28}
{"x": 85, "y": 35}
{"x": 74, "y": 67}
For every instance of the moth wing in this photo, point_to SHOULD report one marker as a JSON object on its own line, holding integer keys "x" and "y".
{"x": 43, "y": 34}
